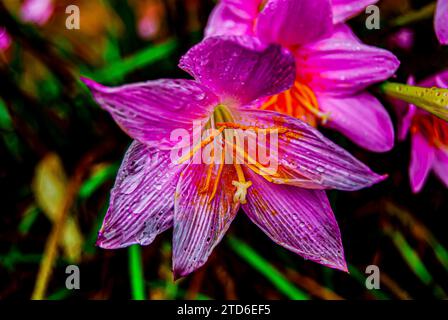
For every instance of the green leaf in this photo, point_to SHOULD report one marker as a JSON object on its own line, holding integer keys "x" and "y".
{"x": 267, "y": 270}
{"x": 95, "y": 181}
{"x": 5, "y": 119}
{"x": 28, "y": 219}
{"x": 141, "y": 59}
{"x": 433, "y": 100}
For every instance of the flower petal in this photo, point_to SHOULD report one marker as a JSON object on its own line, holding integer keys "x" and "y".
{"x": 441, "y": 21}
{"x": 306, "y": 158}
{"x": 240, "y": 69}
{"x": 142, "y": 200}
{"x": 150, "y": 111}
{"x": 442, "y": 79}
{"x": 441, "y": 165}
{"x": 298, "y": 219}
{"x": 422, "y": 159}
{"x": 345, "y": 9}
{"x": 405, "y": 121}
{"x": 294, "y": 22}
{"x": 342, "y": 65}
{"x": 230, "y": 17}
{"x": 201, "y": 219}
{"x": 439, "y": 80}
{"x": 362, "y": 118}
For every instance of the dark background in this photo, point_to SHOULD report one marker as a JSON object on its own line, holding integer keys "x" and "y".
{"x": 58, "y": 147}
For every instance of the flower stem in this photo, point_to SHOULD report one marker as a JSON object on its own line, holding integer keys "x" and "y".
{"x": 414, "y": 16}
{"x": 136, "y": 273}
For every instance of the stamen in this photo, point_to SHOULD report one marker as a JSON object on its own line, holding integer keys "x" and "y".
{"x": 241, "y": 191}
{"x": 272, "y": 101}
{"x": 201, "y": 145}
{"x": 288, "y": 99}
{"x": 241, "y": 185}
{"x": 300, "y": 102}
{"x": 313, "y": 110}
{"x": 209, "y": 173}
{"x": 222, "y": 122}
{"x": 280, "y": 130}
{"x": 248, "y": 160}
{"x": 432, "y": 128}
{"x": 218, "y": 177}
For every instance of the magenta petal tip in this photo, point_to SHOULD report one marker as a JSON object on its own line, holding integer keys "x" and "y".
{"x": 91, "y": 84}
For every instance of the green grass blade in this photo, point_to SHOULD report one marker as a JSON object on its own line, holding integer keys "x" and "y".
{"x": 441, "y": 254}
{"x": 139, "y": 60}
{"x": 28, "y": 219}
{"x": 96, "y": 180}
{"x": 361, "y": 278}
{"x": 136, "y": 273}
{"x": 414, "y": 262}
{"x": 267, "y": 270}
{"x": 411, "y": 257}
{"x": 60, "y": 295}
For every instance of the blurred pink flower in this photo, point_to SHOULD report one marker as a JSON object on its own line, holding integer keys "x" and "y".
{"x": 441, "y": 21}
{"x": 147, "y": 27}
{"x": 37, "y": 11}
{"x": 5, "y": 39}
{"x": 333, "y": 67}
{"x": 429, "y": 136}
{"x": 403, "y": 39}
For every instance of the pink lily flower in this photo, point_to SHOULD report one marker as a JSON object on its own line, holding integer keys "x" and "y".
{"x": 429, "y": 138}
{"x": 441, "y": 21}
{"x": 5, "y": 39}
{"x": 333, "y": 67}
{"x": 37, "y": 11}
{"x": 152, "y": 193}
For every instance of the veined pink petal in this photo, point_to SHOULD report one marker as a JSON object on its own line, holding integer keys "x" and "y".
{"x": 439, "y": 80}
{"x": 294, "y": 22}
{"x": 150, "y": 111}
{"x": 298, "y": 219}
{"x": 142, "y": 200}
{"x": 405, "y": 122}
{"x": 240, "y": 69}
{"x": 345, "y": 9}
{"x": 362, "y": 118}
{"x": 342, "y": 65}
{"x": 422, "y": 159}
{"x": 307, "y": 159}
{"x": 441, "y": 21}
{"x": 442, "y": 79}
{"x": 200, "y": 218}
{"x": 233, "y": 17}
{"x": 441, "y": 165}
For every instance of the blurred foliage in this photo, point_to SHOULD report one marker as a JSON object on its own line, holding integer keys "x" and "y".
{"x": 60, "y": 153}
